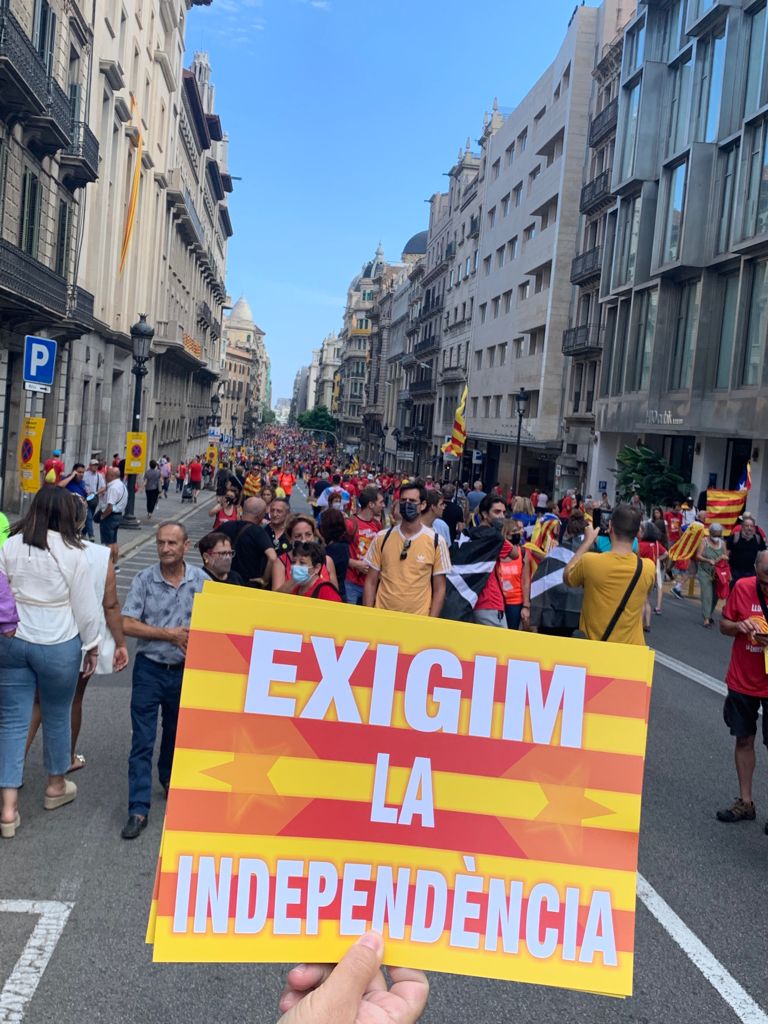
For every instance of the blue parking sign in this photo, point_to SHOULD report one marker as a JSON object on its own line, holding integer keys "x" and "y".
{"x": 39, "y": 360}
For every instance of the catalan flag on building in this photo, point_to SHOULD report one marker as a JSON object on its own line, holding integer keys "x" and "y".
{"x": 725, "y": 507}
{"x": 133, "y": 199}
{"x": 455, "y": 446}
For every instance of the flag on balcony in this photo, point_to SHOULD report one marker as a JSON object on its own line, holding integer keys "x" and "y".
{"x": 725, "y": 507}
{"x": 459, "y": 433}
{"x": 133, "y": 201}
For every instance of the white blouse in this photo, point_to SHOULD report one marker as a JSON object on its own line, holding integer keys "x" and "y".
{"x": 53, "y": 590}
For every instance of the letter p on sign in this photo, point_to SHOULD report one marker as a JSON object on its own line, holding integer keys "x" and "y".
{"x": 39, "y": 360}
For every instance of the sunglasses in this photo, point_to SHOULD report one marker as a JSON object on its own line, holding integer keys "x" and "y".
{"x": 406, "y": 549}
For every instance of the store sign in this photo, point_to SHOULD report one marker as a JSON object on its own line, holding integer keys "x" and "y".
{"x": 405, "y": 456}
{"x": 662, "y": 418}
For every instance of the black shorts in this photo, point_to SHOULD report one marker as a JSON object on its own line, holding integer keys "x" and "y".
{"x": 740, "y": 713}
{"x": 194, "y": 485}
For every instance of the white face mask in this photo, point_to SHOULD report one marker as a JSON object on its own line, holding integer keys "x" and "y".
{"x": 336, "y": 504}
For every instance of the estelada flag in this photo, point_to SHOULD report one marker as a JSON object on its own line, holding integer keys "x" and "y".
{"x": 725, "y": 507}
{"x": 459, "y": 433}
{"x": 545, "y": 536}
{"x": 686, "y": 546}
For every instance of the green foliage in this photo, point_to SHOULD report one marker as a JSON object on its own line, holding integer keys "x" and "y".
{"x": 644, "y": 472}
{"x": 317, "y": 419}
{"x": 268, "y": 416}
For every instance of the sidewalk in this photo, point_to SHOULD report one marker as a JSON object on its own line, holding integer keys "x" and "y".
{"x": 167, "y": 508}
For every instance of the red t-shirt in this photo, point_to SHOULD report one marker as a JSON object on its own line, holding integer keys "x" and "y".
{"x": 674, "y": 521}
{"x": 287, "y": 480}
{"x": 567, "y": 507}
{"x": 195, "y": 472}
{"x": 492, "y": 596}
{"x": 54, "y": 464}
{"x": 181, "y": 471}
{"x": 358, "y": 546}
{"x": 651, "y": 549}
{"x": 746, "y": 671}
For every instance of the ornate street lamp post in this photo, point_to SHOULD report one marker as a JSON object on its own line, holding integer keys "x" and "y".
{"x": 142, "y": 334}
{"x": 521, "y": 402}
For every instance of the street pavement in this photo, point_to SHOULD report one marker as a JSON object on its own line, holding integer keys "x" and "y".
{"x": 709, "y": 877}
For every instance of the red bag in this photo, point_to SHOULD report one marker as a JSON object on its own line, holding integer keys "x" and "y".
{"x": 722, "y": 579}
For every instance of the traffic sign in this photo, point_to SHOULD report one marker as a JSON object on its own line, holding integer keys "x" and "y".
{"x": 39, "y": 362}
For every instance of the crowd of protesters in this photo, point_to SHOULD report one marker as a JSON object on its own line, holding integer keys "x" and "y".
{"x": 576, "y": 567}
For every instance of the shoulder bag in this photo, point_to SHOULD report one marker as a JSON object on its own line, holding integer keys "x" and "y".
{"x": 623, "y": 602}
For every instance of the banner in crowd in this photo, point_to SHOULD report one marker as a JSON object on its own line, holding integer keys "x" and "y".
{"x": 348, "y": 768}
{"x": 212, "y": 454}
{"x": 135, "y": 453}
{"x": 30, "y": 446}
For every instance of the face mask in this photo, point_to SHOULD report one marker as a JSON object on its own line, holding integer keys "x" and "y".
{"x": 409, "y": 510}
{"x": 300, "y": 573}
{"x": 336, "y": 504}
{"x": 515, "y": 538}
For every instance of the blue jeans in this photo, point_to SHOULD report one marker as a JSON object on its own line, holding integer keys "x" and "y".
{"x": 89, "y": 532}
{"x": 354, "y": 592}
{"x": 53, "y": 670}
{"x": 154, "y": 687}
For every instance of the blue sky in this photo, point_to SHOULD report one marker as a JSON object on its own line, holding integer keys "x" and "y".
{"x": 343, "y": 116}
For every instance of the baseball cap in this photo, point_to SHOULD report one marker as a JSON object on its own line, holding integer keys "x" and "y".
{"x": 57, "y": 451}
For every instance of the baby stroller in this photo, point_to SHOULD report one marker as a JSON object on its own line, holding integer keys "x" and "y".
{"x": 186, "y": 493}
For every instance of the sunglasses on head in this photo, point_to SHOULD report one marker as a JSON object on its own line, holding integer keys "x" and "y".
{"x": 406, "y": 549}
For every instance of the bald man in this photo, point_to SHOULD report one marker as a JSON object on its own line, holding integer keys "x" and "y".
{"x": 112, "y": 503}
{"x": 254, "y": 550}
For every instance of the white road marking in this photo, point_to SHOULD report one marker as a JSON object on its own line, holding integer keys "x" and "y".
{"x": 691, "y": 673}
{"x": 30, "y": 967}
{"x": 723, "y": 982}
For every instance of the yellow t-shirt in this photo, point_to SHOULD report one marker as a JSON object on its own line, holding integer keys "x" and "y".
{"x": 405, "y": 584}
{"x": 605, "y": 579}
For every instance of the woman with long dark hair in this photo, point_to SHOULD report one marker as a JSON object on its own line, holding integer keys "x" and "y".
{"x": 59, "y": 620}
{"x": 333, "y": 530}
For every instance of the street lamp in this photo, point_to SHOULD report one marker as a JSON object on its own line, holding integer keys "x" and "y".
{"x": 214, "y": 419}
{"x": 521, "y": 402}
{"x": 142, "y": 334}
{"x": 234, "y": 427}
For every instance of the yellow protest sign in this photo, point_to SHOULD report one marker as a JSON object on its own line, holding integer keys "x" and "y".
{"x": 473, "y": 794}
{"x": 212, "y": 454}
{"x": 30, "y": 445}
{"x": 135, "y": 453}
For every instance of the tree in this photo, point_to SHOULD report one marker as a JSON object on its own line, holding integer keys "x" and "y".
{"x": 268, "y": 416}
{"x": 644, "y": 472}
{"x": 317, "y": 419}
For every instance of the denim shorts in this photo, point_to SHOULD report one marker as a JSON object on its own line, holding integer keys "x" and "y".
{"x": 108, "y": 528}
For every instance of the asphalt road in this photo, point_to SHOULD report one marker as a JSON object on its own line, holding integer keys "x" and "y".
{"x": 711, "y": 875}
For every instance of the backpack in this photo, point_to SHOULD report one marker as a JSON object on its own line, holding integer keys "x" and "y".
{"x": 319, "y": 587}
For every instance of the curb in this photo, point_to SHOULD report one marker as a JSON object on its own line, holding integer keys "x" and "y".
{"x": 146, "y": 532}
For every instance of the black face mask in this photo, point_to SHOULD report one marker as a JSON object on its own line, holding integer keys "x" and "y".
{"x": 515, "y": 538}
{"x": 409, "y": 510}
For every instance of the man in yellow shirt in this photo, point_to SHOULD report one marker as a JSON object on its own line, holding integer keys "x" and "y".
{"x": 608, "y": 579}
{"x": 408, "y": 562}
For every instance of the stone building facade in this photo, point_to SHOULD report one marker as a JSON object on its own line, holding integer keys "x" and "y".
{"x": 330, "y": 361}
{"x": 243, "y": 391}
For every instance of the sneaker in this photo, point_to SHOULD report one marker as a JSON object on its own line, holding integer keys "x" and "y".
{"x": 738, "y": 811}
{"x": 118, "y": 570}
{"x": 678, "y": 593}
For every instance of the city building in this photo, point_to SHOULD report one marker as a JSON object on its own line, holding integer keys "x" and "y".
{"x": 330, "y": 361}
{"x": 582, "y": 339}
{"x": 300, "y": 394}
{"x": 282, "y": 411}
{"x": 243, "y": 389}
{"x": 96, "y": 97}
{"x": 404, "y": 305}
{"x": 530, "y": 178}
{"x": 684, "y": 283}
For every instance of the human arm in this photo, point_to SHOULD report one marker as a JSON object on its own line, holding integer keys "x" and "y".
{"x": 331, "y": 571}
{"x": 66, "y": 479}
{"x": 370, "y": 587}
{"x": 438, "y": 596}
{"x": 699, "y": 556}
{"x": 525, "y": 611}
{"x": 573, "y": 576}
{"x": 176, "y": 635}
{"x": 114, "y": 619}
{"x": 354, "y": 991}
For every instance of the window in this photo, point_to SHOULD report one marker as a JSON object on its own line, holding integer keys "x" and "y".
{"x": 474, "y": 261}
{"x": 486, "y": 406}
{"x": 61, "y": 262}
{"x": 3, "y": 176}
{"x": 44, "y": 33}
{"x": 486, "y": 265}
{"x": 491, "y": 356}
{"x": 756, "y": 209}
{"x": 517, "y": 193}
{"x": 522, "y": 140}
{"x": 731, "y": 163}
{"x": 753, "y": 92}
{"x": 512, "y": 248}
{"x": 619, "y": 354}
{"x": 500, "y": 257}
{"x": 672, "y": 29}
{"x": 495, "y": 168}
{"x": 509, "y": 154}
{"x": 502, "y": 350}
{"x": 630, "y": 132}
{"x": 505, "y": 205}
{"x": 530, "y": 233}
{"x": 496, "y": 302}
{"x": 478, "y": 360}
{"x": 517, "y": 346}
{"x": 536, "y": 341}
{"x": 362, "y": 323}
{"x": 467, "y": 266}
{"x": 537, "y": 118}
{"x": 727, "y": 332}
{"x": 626, "y": 248}
{"x": 757, "y": 325}
{"x": 474, "y": 407}
{"x": 507, "y": 301}
{"x": 491, "y": 216}
{"x": 497, "y": 406}
{"x": 644, "y": 328}
{"x": 710, "y": 85}
{"x": 635, "y": 48}
{"x": 483, "y": 311}
{"x": 523, "y": 290}
{"x": 673, "y": 226}
{"x": 679, "y": 107}
{"x": 534, "y": 175}
{"x": 450, "y": 279}
{"x": 576, "y": 385}
{"x": 682, "y": 346}
{"x": 29, "y": 220}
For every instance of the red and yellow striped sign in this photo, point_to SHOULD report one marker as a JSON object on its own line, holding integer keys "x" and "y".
{"x": 343, "y": 768}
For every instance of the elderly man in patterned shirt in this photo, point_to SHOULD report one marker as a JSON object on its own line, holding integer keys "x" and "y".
{"x": 157, "y": 612}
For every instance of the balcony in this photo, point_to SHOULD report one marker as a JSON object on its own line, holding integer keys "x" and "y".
{"x": 596, "y": 193}
{"x": 474, "y": 226}
{"x": 423, "y": 386}
{"x": 583, "y": 340}
{"x": 450, "y": 250}
{"x": 30, "y": 281}
{"x": 587, "y": 266}
{"x": 204, "y": 315}
{"x": 81, "y": 310}
{"x": 453, "y": 375}
{"x": 403, "y": 396}
{"x": 430, "y": 344}
{"x": 23, "y": 76}
{"x": 433, "y": 308}
{"x": 603, "y": 123}
{"x": 80, "y": 160}
{"x": 50, "y": 131}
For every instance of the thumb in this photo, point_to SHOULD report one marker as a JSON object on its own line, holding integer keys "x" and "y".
{"x": 352, "y": 977}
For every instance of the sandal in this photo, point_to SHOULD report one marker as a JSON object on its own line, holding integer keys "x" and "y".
{"x": 50, "y": 803}
{"x": 78, "y": 762}
{"x": 8, "y": 828}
